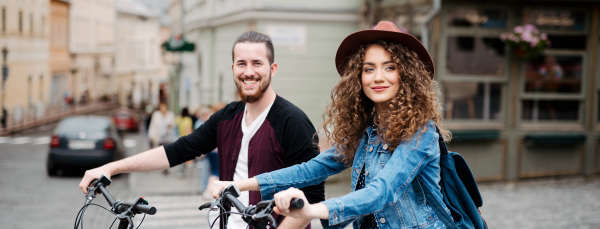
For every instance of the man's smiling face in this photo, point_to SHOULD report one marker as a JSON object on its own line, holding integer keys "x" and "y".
{"x": 251, "y": 70}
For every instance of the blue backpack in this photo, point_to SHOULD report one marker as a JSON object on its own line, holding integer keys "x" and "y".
{"x": 460, "y": 191}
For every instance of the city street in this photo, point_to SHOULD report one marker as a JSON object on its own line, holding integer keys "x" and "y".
{"x": 31, "y": 199}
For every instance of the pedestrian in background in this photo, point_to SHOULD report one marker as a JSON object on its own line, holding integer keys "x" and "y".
{"x": 161, "y": 127}
{"x": 147, "y": 118}
{"x": 184, "y": 127}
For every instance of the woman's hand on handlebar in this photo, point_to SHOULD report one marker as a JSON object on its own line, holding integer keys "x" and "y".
{"x": 283, "y": 198}
{"x": 91, "y": 175}
{"x": 217, "y": 186}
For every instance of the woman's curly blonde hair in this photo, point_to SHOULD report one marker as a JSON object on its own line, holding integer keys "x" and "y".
{"x": 350, "y": 111}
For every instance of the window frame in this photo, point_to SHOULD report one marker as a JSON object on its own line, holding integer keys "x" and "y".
{"x": 581, "y": 97}
{"x": 446, "y": 31}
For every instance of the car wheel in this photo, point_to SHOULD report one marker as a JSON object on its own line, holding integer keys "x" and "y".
{"x": 51, "y": 168}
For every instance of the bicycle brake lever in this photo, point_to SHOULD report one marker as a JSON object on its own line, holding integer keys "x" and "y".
{"x": 91, "y": 194}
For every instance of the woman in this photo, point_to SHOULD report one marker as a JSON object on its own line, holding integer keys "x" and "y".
{"x": 383, "y": 118}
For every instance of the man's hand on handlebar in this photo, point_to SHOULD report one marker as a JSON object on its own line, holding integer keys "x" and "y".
{"x": 91, "y": 175}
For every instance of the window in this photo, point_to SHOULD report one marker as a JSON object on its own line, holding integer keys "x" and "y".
{"x": 20, "y": 22}
{"x": 464, "y": 100}
{"x": 474, "y": 60}
{"x": 477, "y": 56}
{"x": 3, "y": 19}
{"x": 550, "y": 110}
{"x": 29, "y": 90}
{"x": 554, "y": 74}
{"x": 552, "y": 84}
{"x": 41, "y": 87}
{"x": 31, "y": 24}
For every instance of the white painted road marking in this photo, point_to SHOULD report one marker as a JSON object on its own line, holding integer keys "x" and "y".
{"x": 5, "y": 140}
{"x": 41, "y": 140}
{"x": 21, "y": 140}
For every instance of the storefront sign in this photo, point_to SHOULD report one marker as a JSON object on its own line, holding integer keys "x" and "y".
{"x": 555, "y": 19}
{"x": 293, "y": 36}
{"x": 552, "y": 20}
{"x": 477, "y": 17}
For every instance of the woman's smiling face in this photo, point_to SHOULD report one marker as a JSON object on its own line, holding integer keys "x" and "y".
{"x": 380, "y": 76}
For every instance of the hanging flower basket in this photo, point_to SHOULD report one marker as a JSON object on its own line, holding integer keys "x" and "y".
{"x": 526, "y": 41}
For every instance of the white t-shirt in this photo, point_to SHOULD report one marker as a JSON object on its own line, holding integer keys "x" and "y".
{"x": 241, "y": 168}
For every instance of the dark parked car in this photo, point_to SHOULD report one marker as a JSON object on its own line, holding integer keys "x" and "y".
{"x": 126, "y": 119}
{"x": 84, "y": 142}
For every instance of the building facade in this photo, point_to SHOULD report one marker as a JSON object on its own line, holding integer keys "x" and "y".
{"x": 24, "y": 33}
{"x": 512, "y": 116}
{"x": 138, "y": 59}
{"x": 62, "y": 84}
{"x": 92, "y": 45}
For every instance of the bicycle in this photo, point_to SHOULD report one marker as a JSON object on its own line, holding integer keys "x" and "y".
{"x": 124, "y": 211}
{"x": 258, "y": 216}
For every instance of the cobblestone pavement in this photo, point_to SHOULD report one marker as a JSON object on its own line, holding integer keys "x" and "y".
{"x": 570, "y": 202}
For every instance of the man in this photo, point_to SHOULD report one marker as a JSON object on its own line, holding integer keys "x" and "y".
{"x": 262, "y": 133}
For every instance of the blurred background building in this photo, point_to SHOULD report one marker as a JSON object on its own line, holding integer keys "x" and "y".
{"x": 92, "y": 45}
{"x": 512, "y": 116}
{"x": 138, "y": 53}
{"x": 24, "y": 38}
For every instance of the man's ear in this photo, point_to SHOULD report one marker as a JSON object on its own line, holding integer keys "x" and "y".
{"x": 273, "y": 69}
{"x": 231, "y": 67}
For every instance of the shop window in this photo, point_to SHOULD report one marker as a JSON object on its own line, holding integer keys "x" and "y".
{"x": 567, "y": 42}
{"x": 550, "y": 110}
{"x": 472, "y": 100}
{"x": 553, "y": 74}
{"x": 470, "y": 17}
{"x": 555, "y": 19}
{"x": 469, "y": 55}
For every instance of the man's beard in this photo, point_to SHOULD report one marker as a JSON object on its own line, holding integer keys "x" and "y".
{"x": 262, "y": 87}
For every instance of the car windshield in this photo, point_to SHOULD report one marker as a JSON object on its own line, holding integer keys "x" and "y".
{"x": 85, "y": 124}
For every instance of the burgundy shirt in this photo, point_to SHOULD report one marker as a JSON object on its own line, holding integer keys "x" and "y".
{"x": 286, "y": 137}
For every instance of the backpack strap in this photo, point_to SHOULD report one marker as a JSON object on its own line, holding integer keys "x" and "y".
{"x": 434, "y": 203}
{"x": 441, "y": 142}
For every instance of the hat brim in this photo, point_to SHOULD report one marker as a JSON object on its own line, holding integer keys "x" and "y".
{"x": 351, "y": 43}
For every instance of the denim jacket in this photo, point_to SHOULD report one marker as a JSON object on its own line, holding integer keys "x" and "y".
{"x": 388, "y": 192}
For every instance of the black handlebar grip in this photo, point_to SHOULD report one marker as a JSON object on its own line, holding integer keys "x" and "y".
{"x": 296, "y": 203}
{"x": 141, "y": 208}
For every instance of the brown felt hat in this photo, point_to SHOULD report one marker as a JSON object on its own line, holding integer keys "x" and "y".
{"x": 385, "y": 30}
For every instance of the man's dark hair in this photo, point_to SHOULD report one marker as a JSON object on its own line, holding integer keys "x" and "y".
{"x": 256, "y": 37}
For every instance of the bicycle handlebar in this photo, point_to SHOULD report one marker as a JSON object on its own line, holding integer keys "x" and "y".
{"x": 259, "y": 213}
{"x": 140, "y": 205}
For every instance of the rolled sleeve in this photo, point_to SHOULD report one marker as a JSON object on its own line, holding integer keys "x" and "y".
{"x": 336, "y": 211}
{"x": 267, "y": 187}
